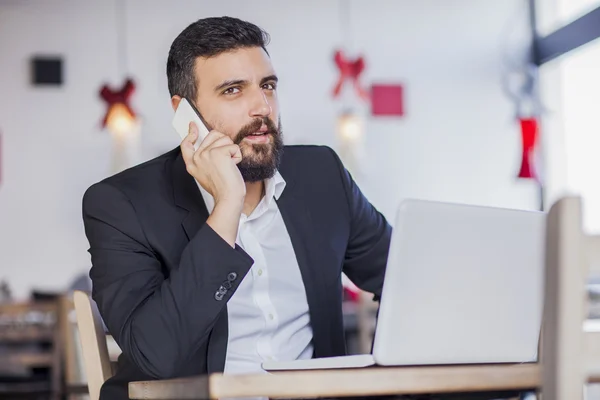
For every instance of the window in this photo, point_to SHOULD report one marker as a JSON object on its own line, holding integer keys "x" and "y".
{"x": 553, "y": 14}
{"x": 570, "y": 89}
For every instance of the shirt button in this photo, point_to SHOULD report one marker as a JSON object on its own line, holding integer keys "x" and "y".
{"x": 271, "y": 316}
{"x": 259, "y": 272}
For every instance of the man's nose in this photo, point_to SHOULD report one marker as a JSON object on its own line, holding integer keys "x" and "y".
{"x": 260, "y": 106}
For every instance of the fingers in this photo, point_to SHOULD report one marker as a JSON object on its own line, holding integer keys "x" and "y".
{"x": 233, "y": 150}
{"x": 187, "y": 145}
{"x": 214, "y": 141}
{"x": 220, "y": 141}
{"x": 237, "y": 154}
{"x": 192, "y": 135}
{"x": 211, "y": 138}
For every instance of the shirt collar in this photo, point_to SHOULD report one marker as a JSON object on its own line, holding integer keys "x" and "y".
{"x": 273, "y": 189}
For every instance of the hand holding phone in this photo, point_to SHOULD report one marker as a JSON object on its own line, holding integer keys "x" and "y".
{"x": 212, "y": 160}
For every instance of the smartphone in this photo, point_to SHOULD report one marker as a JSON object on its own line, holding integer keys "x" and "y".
{"x": 186, "y": 113}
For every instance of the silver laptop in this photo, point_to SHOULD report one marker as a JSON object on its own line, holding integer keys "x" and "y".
{"x": 463, "y": 285}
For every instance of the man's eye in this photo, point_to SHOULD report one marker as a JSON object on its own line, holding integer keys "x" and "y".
{"x": 269, "y": 86}
{"x": 232, "y": 90}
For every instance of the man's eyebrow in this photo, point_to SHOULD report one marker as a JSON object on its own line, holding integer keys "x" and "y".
{"x": 243, "y": 82}
{"x": 270, "y": 78}
{"x": 233, "y": 82}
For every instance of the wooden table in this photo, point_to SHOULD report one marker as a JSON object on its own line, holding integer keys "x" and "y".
{"x": 350, "y": 382}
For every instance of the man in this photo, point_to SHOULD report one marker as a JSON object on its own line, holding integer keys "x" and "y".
{"x": 218, "y": 258}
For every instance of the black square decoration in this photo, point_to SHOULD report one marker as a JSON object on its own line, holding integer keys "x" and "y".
{"x": 47, "y": 71}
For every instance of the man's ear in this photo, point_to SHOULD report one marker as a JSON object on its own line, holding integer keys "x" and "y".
{"x": 175, "y": 100}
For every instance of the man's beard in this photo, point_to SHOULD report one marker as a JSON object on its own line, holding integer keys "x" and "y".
{"x": 263, "y": 160}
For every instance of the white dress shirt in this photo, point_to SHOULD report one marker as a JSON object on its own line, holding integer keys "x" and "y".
{"x": 268, "y": 314}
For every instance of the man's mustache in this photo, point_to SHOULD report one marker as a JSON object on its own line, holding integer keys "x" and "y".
{"x": 255, "y": 126}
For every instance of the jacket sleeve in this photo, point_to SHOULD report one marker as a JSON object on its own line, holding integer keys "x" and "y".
{"x": 369, "y": 241}
{"x": 158, "y": 323}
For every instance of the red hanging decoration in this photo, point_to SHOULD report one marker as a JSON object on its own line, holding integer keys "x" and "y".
{"x": 351, "y": 70}
{"x": 529, "y": 133}
{"x": 119, "y": 97}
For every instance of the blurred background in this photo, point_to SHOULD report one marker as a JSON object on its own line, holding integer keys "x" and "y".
{"x": 474, "y": 101}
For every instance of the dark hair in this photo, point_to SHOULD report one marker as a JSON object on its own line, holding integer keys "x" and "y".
{"x": 207, "y": 37}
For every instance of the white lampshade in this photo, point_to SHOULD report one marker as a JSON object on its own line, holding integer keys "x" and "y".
{"x": 125, "y": 131}
{"x": 350, "y": 133}
{"x": 120, "y": 121}
{"x": 350, "y": 127}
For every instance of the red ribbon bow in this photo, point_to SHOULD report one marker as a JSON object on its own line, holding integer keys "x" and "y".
{"x": 349, "y": 69}
{"x": 122, "y": 96}
{"x": 529, "y": 134}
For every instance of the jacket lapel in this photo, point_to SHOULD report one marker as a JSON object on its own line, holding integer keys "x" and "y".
{"x": 188, "y": 197}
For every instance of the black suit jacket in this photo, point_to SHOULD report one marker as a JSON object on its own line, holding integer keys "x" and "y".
{"x": 158, "y": 267}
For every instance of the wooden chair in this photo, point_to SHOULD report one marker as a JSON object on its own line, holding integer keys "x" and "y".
{"x": 569, "y": 354}
{"x": 96, "y": 357}
{"x": 75, "y": 383}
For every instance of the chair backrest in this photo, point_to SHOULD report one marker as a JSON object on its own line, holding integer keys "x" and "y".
{"x": 570, "y": 355}
{"x": 93, "y": 343}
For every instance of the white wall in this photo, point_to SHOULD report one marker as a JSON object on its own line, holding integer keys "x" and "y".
{"x": 457, "y": 142}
